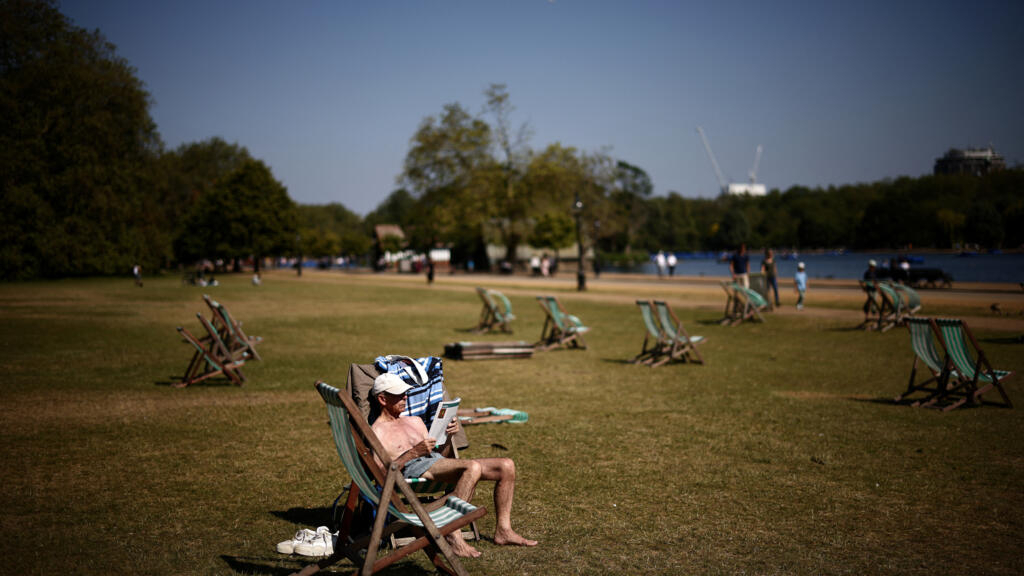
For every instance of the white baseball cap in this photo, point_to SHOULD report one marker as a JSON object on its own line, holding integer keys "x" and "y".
{"x": 389, "y": 383}
{"x": 872, "y": 263}
{"x": 800, "y": 266}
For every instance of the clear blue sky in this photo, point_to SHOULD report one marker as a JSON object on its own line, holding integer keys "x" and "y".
{"x": 329, "y": 93}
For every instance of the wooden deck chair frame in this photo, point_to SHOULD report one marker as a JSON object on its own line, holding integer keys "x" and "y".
{"x": 976, "y": 373}
{"x": 231, "y": 330}
{"x": 654, "y": 338}
{"x": 358, "y": 385}
{"x": 942, "y": 383}
{"x": 751, "y": 304}
{"x": 891, "y": 312}
{"x": 357, "y": 447}
{"x": 492, "y": 316}
{"x": 211, "y": 358}
{"x": 679, "y": 345}
{"x": 733, "y": 305}
{"x": 560, "y": 328}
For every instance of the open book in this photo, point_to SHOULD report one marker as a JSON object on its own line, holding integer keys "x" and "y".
{"x": 446, "y": 412}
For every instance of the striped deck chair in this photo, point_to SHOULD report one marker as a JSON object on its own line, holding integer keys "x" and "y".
{"x": 654, "y": 338}
{"x": 750, "y": 304}
{"x": 911, "y": 299}
{"x": 231, "y": 330}
{"x": 358, "y": 386}
{"x": 944, "y": 381}
{"x": 211, "y": 358}
{"x": 560, "y": 328}
{"x": 678, "y": 344}
{"x": 733, "y": 305}
{"x": 493, "y": 315}
{"x": 892, "y": 311}
{"x": 357, "y": 446}
{"x": 975, "y": 371}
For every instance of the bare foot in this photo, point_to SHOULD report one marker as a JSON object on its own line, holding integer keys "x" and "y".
{"x": 462, "y": 549}
{"x": 510, "y": 538}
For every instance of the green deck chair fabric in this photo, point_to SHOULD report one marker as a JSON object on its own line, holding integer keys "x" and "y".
{"x": 351, "y": 432}
{"x": 976, "y": 371}
{"x": 654, "y": 337}
{"x": 209, "y": 359}
{"x": 892, "y": 311}
{"x": 749, "y": 304}
{"x": 679, "y": 345}
{"x": 943, "y": 383}
{"x": 231, "y": 330}
{"x": 494, "y": 315}
{"x": 560, "y": 328}
{"x": 910, "y": 298}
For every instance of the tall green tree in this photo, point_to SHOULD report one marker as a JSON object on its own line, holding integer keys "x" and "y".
{"x": 248, "y": 214}
{"x": 77, "y": 144}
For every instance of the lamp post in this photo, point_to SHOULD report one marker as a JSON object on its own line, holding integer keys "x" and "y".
{"x": 581, "y": 277}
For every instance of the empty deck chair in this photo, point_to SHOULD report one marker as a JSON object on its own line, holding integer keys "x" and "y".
{"x": 496, "y": 313}
{"x": 974, "y": 368}
{"x": 231, "y": 331}
{"x": 560, "y": 328}
{"x": 678, "y": 344}
{"x": 749, "y": 304}
{"x": 384, "y": 489}
{"x": 911, "y": 299}
{"x": 654, "y": 337}
{"x": 211, "y": 358}
{"x": 942, "y": 381}
{"x": 733, "y": 304}
{"x": 892, "y": 311}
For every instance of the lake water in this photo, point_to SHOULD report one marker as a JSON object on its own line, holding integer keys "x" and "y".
{"x": 851, "y": 265}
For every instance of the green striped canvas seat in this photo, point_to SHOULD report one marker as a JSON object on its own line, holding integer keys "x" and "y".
{"x": 357, "y": 445}
{"x": 560, "y": 328}
{"x": 942, "y": 387}
{"x": 910, "y": 298}
{"x": 892, "y": 310}
{"x": 678, "y": 344}
{"x": 974, "y": 368}
{"x": 238, "y": 342}
{"x": 506, "y": 313}
{"x": 654, "y": 339}
{"x": 749, "y": 304}
{"x": 494, "y": 315}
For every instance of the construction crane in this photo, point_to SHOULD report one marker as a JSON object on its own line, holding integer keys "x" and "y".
{"x": 753, "y": 188}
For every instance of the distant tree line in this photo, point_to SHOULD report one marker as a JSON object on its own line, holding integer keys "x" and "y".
{"x": 88, "y": 188}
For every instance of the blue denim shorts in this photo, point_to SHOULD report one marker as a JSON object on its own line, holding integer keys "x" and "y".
{"x": 418, "y": 466}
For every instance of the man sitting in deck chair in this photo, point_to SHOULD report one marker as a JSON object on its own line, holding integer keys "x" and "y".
{"x": 410, "y": 446}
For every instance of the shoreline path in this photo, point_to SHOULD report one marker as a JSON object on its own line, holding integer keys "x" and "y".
{"x": 827, "y": 298}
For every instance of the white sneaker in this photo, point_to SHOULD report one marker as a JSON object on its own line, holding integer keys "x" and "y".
{"x": 288, "y": 546}
{"x": 322, "y": 544}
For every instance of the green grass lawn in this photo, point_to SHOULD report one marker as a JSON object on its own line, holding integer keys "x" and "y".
{"x": 782, "y": 455}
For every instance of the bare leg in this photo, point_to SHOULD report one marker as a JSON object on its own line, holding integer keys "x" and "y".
{"x": 464, "y": 474}
{"x": 503, "y": 472}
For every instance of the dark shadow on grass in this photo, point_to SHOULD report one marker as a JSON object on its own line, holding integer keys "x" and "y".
{"x": 273, "y": 566}
{"x": 311, "y": 517}
{"x": 857, "y": 328}
{"x": 212, "y": 383}
{"x": 1006, "y": 340}
{"x": 712, "y": 322}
